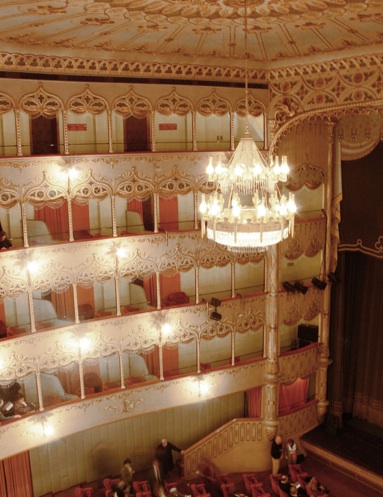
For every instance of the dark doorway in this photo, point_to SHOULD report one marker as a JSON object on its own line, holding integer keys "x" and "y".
{"x": 44, "y": 136}
{"x": 136, "y": 137}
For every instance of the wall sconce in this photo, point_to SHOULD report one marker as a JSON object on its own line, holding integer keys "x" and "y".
{"x": 321, "y": 285}
{"x": 289, "y": 287}
{"x": 200, "y": 386}
{"x": 300, "y": 287}
{"x": 214, "y": 315}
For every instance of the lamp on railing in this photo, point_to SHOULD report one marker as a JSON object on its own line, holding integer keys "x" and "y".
{"x": 247, "y": 211}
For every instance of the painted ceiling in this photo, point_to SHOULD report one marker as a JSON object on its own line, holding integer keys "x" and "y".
{"x": 279, "y": 32}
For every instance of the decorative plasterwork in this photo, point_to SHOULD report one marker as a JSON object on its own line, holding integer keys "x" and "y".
{"x": 349, "y": 82}
{"x": 128, "y": 69}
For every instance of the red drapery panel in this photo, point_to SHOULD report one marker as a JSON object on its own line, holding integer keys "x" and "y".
{"x": 64, "y": 304}
{"x": 149, "y": 285}
{"x": 293, "y": 395}
{"x": 56, "y": 219}
{"x": 15, "y": 476}
{"x": 2, "y": 311}
{"x": 135, "y": 206}
{"x": 254, "y": 402}
{"x": 81, "y": 219}
{"x": 169, "y": 213}
{"x": 152, "y": 360}
{"x": 170, "y": 359}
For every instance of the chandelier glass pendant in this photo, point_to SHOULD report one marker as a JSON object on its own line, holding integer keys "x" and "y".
{"x": 247, "y": 211}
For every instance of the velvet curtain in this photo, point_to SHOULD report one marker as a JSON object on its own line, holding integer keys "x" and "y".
{"x": 15, "y": 476}
{"x": 355, "y": 384}
{"x": 254, "y": 402}
{"x": 56, "y": 218}
{"x": 356, "y": 379}
{"x": 293, "y": 395}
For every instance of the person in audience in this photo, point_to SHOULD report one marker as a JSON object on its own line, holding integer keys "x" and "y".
{"x": 285, "y": 484}
{"x": 164, "y": 455}
{"x": 314, "y": 488}
{"x": 117, "y": 491}
{"x": 291, "y": 451}
{"x": 4, "y": 241}
{"x": 21, "y": 406}
{"x": 126, "y": 476}
{"x": 297, "y": 491}
{"x": 156, "y": 478}
{"x": 276, "y": 454}
{"x": 7, "y": 411}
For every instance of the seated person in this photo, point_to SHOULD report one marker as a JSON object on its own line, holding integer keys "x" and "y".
{"x": 6, "y": 411}
{"x": 297, "y": 491}
{"x": 284, "y": 484}
{"x": 313, "y": 487}
{"x": 4, "y": 242}
{"x": 21, "y": 406}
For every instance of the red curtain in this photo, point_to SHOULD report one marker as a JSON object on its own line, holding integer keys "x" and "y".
{"x": 170, "y": 360}
{"x": 2, "y": 313}
{"x": 149, "y": 285}
{"x": 64, "y": 304}
{"x": 169, "y": 213}
{"x": 56, "y": 219}
{"x": 16, "y": 477}
{"x": 170, "y": 284}
{"x": 81, "y": 219}
{"x": 135, "y": 206}
{"x": 293, "y": 395}
{"x": 152, "y": 360}
{"x": 254, "y": 402}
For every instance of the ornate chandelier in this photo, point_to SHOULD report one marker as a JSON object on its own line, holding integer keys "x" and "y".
{"x": 247, "y": 211}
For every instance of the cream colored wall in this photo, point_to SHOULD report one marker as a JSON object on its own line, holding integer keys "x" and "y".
{"x": 8, "y": 134}
{"x": 99, "y": 452}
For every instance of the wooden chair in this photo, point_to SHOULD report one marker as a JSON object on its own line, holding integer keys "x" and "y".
{"x": 108, "y": 485}
{"x": 83, "y": 492}
{"x": 249, "y": 479}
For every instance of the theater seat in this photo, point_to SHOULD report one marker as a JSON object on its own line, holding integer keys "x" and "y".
{"x": 294, "y": 470}
{"x": 108, "y": 485}
{"x": 83, "y": 492}
{"x": 199, "y": 490}
{"x": 250, "y": 479}
{"x": 274, "y": 481}
{"x": 175, "y": 298}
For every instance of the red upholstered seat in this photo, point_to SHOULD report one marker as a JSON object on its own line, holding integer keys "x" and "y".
{"x": 257, "y": 490}
{"x": 274, "y": 481}
{"x": 199, "y": 490}
{"x": 249, "y": 479}
{"x": 294, "y": 470}
{"x": 108, "y": 484}
{"x": 141, "y": 486}
{"x": 176, "y": 298}
{"x": 83, "y": 492}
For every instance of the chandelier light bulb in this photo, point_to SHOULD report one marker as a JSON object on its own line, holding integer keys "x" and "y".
{"x": 210, "y": 167}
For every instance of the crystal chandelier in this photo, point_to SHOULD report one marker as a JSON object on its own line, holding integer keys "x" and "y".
{"x": 247, "y": 211}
